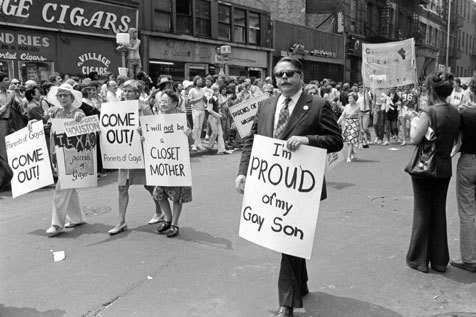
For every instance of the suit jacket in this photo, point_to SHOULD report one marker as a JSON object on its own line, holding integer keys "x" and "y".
{"x": 312, "y": 117}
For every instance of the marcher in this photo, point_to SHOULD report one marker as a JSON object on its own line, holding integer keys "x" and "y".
{"x": 132, "y": 90}
{"x": 66, "y": 204}
{"x": 317, "y": 127}
{"x": 198, "y": 101}
{"x": 350, "y": 121}
{"x": 466, "y": 190}
{"x": 428, "y": 243}
{"x": 177, "y": 194}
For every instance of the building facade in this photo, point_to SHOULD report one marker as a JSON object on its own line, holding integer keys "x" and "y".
{"x": 181, "y": 38}
{"x": 465, "y": 64}
{"x": 38, "y": 39}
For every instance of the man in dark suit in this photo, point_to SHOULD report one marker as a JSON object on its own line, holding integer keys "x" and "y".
{"x": 298, "y": 118}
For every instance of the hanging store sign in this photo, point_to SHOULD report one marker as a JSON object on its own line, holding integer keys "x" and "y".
{"x": 69, "y": 15}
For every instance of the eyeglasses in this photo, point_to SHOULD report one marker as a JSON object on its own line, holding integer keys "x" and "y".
{"x": 289, "y": 73}
{"x": 62, "y": 95}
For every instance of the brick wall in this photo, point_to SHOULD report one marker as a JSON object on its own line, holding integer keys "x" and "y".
{"x": 289, "y": 11}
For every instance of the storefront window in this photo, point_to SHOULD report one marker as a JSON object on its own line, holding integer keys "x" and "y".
{"x": 239, "y": 19}
{"x": 254, "y": 28}
{"x": 35, "y": 71}
{"x": 184, "y": 16}
{"x": 6, "y": 67}
{"x": 224, "y": 22}
{"x": 162, "y": 15}
{"x": 202, "y": 13}
{"x": 174, "y": 69}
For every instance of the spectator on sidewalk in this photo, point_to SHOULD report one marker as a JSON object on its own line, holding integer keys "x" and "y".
{"x": 428, "y": 241}
{"x": 466, "y": 191}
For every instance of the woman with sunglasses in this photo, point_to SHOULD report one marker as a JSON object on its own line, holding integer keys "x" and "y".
{"x": 67, "y": 210}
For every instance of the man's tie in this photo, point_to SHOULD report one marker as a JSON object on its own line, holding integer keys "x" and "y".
{"x": 283, "y": 117}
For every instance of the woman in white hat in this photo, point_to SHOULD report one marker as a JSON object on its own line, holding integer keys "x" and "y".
{"x": 66, "y": 203}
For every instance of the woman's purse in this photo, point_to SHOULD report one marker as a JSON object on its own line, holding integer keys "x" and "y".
{"x": 422, "y": 162}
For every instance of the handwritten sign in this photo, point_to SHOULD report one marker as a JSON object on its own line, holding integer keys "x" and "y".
{"x": 120, "y": 142}
{"x": 167, "y": 159}
{"x": 282, "y": 196}
{"x": 390, "y": 64}
{"x": 87, "y": 125}
{"x": 75, "y": 156}
{"x": 29, "y": 159}
{"x": 244, "y": 113}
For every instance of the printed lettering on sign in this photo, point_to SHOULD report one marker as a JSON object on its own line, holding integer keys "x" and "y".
{"x": 87, "y": 60}
{"x": 282, "y": 196}
{"x": 29, "y": 159}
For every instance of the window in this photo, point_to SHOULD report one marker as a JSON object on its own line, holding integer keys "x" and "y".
{"x": 202, "y": 18}
{"x": 254, "y": 28}
{"x": 184, "y": 16}
{"x": 239, "y": 30}
{"x": 224, "y": 22}
{"x": 162, "y": 15}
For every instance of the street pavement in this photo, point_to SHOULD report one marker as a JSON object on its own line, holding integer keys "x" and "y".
{"x": 357, "y": 267}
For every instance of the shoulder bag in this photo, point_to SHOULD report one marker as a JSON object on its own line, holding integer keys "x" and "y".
{"x": 422, "y": 162}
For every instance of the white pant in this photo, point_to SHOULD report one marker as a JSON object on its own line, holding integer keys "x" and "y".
{"x": 198, "y": 117}
{"x": 66, "y": 204}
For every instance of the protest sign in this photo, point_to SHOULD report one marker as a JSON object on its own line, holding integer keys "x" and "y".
{"x": 120, "y": 142}
{"x": 282, "y": 196}
{"x": 166, "y": 155}
{"x": 87, "y": 125}
{"x": 28, "y": 157}
{"x": 75, "y": 157}
{"x": 390, "y": 64}
{"x": 244, "y": 113}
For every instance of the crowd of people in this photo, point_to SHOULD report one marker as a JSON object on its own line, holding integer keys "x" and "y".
{"x": 344, "y": 114}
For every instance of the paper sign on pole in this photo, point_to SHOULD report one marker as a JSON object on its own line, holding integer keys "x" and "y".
{"x": 88, "y": 124}
{"x": 282, "y": 196}
{"x": 120, "y": 142}
{"x": 244, "y": 113}
{"x": 390, "y": 64}
{"x": 28, "y": 157}
{"x": 75, "y": 157}
{"x": 166, "y": 154}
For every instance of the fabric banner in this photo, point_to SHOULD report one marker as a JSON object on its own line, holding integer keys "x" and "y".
{"x": 244, "y": 113}
{"x": 75, "y": 157}
{"x": 166, "y": 154}
{"x": 28, "y": 157}
{"x": 120, "y": 142}
{"x": 87, "y": 125}
{"x": 387, "y": 65}
{"x": 282, "y": 196}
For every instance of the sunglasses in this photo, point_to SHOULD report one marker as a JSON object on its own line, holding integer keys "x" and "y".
{"x": 289, "y": 73}
{"x": 15, "y": 83}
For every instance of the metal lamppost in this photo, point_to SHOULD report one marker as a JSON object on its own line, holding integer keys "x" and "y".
{"x": 448, "y": 36}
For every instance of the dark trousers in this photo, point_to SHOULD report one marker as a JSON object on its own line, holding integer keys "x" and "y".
{"x": 429, "y": 241}
{"x": 292, "y": 281}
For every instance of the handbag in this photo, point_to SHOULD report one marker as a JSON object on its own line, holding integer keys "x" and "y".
{"x": 6, "y": 173}
{"x": 422, "y": 161}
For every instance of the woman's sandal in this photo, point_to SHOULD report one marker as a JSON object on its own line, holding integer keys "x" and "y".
{"x": 163, "y": 227}
{"x": 173, "y": 231}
